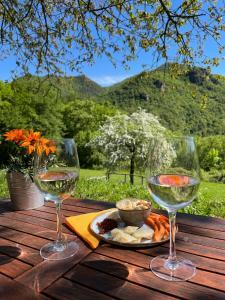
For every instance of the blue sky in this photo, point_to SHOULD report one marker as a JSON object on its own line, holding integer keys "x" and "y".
{"x": 105, "y": 74}
{"x": 102, "y": 72}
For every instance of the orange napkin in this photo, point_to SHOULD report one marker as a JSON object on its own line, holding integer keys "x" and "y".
{"x": 80, "y": 224}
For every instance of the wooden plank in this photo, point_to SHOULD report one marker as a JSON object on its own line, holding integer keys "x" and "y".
{"x": 199, "y": 231}
{"x": 11, "y": 290}
{"x": 39, "y": 214}
{"x": 80, "y": 203}
{"x": 200, "y": 250}
{"x": 73, "y": 207}
{"x": 141, "y": 260}
{"x": 201, "y": 262}
{"x": 66, "y": 289}
{"x": 201, "y": 240}
{"x": 211, "y": 280}
{"x": 197, "y": 249}
{"x": 113, "y": 286}
{"x": 29, "y": 228}
{"x": 12, "y": 267}
{"x": 201, "y": 221}
{"x": 22, "y": 238}
{"x": 36, "y": 220}
{"x": 93, "y": 204}
{"x": 45, "y": 273}
{"x": 51, "y": 210}
{"x": 146, "y": 278}
{"x": 21, "y": 252}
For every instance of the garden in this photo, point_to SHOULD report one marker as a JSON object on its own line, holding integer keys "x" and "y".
{"x": 114, "y": 150}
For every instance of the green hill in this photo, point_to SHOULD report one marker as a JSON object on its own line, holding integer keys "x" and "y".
{"x": 192, "y": 102}
{"x": 65, "y": 88}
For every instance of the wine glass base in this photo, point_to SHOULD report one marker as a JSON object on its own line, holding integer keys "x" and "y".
{"x": 52, "y": 252}
{"x": 181, "y": 271}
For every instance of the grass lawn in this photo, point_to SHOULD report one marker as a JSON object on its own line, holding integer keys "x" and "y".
{"x": 91, "y": 173}
{"x": 92, "y": 185}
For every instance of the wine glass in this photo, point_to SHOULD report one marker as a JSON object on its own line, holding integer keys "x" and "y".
{"x": 56, "y": 175}
{"x": 173, "y": 182}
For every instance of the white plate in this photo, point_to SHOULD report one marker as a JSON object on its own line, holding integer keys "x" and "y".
{"x": 108, "y": 238}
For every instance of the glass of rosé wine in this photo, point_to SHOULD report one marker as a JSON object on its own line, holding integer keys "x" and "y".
{"x": 56, "y": 176}
{"x": 173, "y": 181}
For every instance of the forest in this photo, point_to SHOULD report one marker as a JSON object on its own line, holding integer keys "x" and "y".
{"x": 186, "y": 101}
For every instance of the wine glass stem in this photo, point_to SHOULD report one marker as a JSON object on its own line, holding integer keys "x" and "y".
{"x": 59, "y": 223}
{"x": 172, "y": 259}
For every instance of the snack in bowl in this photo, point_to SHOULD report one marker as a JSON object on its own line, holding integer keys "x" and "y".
{"x": 133, "y": 211}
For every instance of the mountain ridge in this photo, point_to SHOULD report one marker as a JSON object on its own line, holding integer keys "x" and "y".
{"x": 190, "y": 101}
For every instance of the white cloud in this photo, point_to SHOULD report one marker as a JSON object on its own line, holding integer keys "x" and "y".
{"x": 108, "y": 80}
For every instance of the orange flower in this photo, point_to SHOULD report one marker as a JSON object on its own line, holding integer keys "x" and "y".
{"x": 51, "y": 147}
{"x": 15, "y": 135}
{"x": 45, "y": 145}
{"x": 30, "y": 141}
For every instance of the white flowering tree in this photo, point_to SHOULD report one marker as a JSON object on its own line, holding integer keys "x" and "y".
{"x": 125, "y": 139}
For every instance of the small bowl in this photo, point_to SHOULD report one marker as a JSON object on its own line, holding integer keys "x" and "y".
{"x": 131, "y": 215}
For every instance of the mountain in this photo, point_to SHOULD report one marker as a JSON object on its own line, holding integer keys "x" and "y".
{"x": 65, "y": 88}
{"x": 191, "y": 101}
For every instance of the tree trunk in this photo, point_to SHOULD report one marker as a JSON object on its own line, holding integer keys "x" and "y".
{"x": 132, "y": 160}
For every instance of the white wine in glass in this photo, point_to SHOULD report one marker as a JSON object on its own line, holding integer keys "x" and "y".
{"x": 173, "y": 182}
{"x": 56, "y": 176}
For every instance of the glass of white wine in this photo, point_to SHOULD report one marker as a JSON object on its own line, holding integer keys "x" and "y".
{"x": 173, "y": 181}
{"x": 56, "y": 175}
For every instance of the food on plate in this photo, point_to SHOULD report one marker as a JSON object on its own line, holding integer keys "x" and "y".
{"x": 115, "y": 231}
{"x": 133, "y": 204}
{"x": 135, "y": 235}
{"x": 130, "y": 229}
{"x": 120, "y": 236}
{"x": 155, "y": 229}
{"x": 160, "y": 225}
{"x": 144, "y": 232}
{"x": 106, "y": 225}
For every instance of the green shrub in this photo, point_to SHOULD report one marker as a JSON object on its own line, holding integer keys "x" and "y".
{"x": 210, "y": 202}
{"x": 211, "y": 152}
{"x": 4, "y": 193}
{"x": 216, "y": 176}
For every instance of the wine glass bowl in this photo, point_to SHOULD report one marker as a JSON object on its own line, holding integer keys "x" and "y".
{"x": 173, "y": 182}
{"x": 173, "y": 192}
{"x": 56, "y": 175}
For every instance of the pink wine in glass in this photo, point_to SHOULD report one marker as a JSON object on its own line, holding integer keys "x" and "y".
{"x": 54, "y": 183}
{"x": 173, "y": 191}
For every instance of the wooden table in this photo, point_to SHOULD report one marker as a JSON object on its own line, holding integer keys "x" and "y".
{"x": 108, "y": 272}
